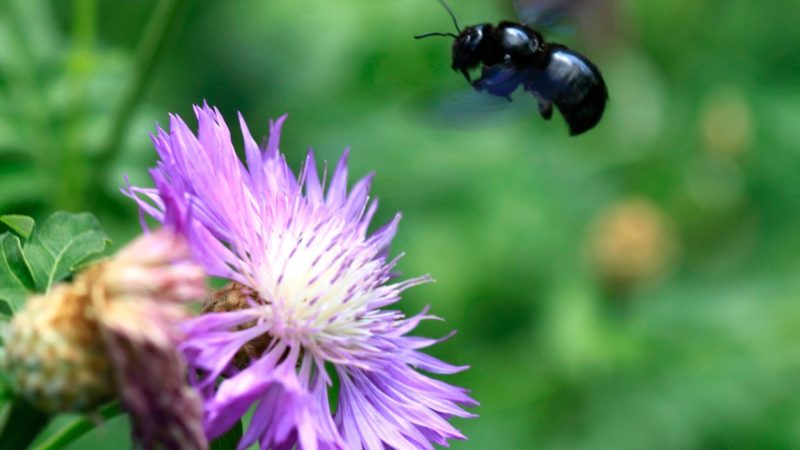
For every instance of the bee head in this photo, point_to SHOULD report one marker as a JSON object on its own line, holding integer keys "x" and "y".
{"x": 468, "y": 47}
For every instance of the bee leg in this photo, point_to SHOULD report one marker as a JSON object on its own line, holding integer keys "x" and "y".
{"x": 466, "y": 75}
{"x": 545, "y": 109}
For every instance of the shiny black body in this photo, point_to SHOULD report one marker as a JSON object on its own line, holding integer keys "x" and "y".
{"x": 511, "y": 54}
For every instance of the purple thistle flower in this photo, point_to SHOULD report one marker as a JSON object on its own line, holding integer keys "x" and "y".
{"x": 307, "y": 298}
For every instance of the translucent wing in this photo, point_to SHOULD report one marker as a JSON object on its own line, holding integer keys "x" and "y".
{"x": 500, "y": 80}
{"x": 464, "y": 108}
{"x": 562, "y": 17}
{"x": 549, "y": 15}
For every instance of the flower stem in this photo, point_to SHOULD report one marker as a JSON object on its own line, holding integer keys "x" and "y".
{"x": 162, "y": 21}
{"x": 78, "y": 427}
{"x": 21, "y": 423}
{"x": 81, "y": 63}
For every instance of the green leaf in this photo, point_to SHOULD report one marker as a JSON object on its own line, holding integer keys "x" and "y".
{"x": 15, "y": 275}
{"x": 61, "y": 245}
{"x": 22, "y": 225}
{"x": 15, "y": 256}
{"x": 79, "y": 426}
{"x": 5, "y": 310}
{"x": 230, "y": 439}
{"x": 21, "y": 424}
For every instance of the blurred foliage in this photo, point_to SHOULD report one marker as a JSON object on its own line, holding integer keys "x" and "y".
{"x": 502, "y": 208}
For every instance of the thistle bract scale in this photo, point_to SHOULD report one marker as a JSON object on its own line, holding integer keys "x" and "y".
{"x": 56, "y": 354}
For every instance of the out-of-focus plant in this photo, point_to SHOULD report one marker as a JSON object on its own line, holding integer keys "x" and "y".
{"x": 630, "y": 243}
{"x": 67, "y": 103}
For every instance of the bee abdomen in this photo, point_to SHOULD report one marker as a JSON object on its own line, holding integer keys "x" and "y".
{"x": 574, "y": 85}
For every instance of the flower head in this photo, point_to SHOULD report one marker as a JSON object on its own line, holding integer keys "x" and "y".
{"x": 114, "y": 332}
{"x": 630, "y": 243}
{"x": 307, "y": 303}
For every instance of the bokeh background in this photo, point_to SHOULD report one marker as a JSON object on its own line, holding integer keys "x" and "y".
{"x": 635, "y": 287}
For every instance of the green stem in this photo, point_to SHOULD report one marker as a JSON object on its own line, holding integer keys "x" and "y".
{"x": 85, "y": 13}
{"x": 78, "y": 428}
{"x": 27, "y": 94}
{"x": 150, "y": 48}
{"x": 74, "y": 166}
{"x": 21, "y": 424}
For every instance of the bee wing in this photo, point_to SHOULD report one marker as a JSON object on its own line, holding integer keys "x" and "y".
{"x": 463, "y": 108}
{"x": 500, "y": 80}
{"x": 489, "y": 100}
{"x": 472, "y": 107}
{"x": 561, "y": 17}
{"x": 551, "y": 15}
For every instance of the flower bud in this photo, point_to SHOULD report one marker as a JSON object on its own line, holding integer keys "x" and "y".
{"x": 114, "y": 332}
{"x": 56, "y": 354}
{"x": 630, "y": 243}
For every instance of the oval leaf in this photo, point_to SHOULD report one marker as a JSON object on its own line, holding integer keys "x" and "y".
{"x": 21, "y": 424}
{"x": 22, "y": 225}
{"x": 15, "y": 275}
{"x": 61, "y": 244}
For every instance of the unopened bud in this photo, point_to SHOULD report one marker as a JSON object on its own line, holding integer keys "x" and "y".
{"x": 56, "y": 354}
{"x": 630, "y": 243}
{"x": 113, "y": 332}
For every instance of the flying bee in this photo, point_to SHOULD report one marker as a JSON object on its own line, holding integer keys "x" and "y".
{"x": 512, "y": 54}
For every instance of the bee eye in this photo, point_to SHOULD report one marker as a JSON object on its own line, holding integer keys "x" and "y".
{"x": 473, "y": 38}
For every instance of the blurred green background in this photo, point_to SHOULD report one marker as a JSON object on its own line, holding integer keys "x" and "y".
{"x": 635, "y": 287}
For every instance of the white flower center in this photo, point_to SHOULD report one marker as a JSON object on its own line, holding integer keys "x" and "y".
{"x": 321, "y": 281}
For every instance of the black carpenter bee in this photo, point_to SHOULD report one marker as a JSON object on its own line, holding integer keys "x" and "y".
{"x": 513, "y": 54}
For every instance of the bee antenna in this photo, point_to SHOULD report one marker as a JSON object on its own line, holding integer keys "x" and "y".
{"x": 452, "y": 16}
{"x": 436, "y": 33}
